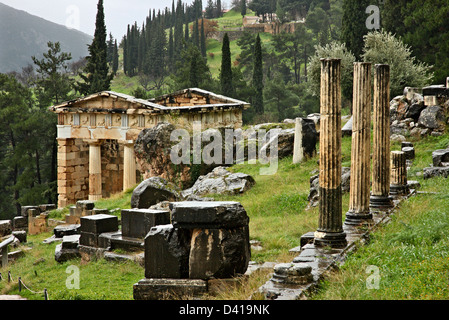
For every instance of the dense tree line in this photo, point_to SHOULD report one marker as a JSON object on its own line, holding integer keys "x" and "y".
{"x": 28, "y": 145}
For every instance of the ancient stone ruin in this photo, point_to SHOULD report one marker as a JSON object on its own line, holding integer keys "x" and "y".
{"x": 205, "y": 242}
{"x": 97, "y": 133}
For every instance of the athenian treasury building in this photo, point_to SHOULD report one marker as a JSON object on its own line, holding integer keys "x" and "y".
{"x": 96, "y": 136}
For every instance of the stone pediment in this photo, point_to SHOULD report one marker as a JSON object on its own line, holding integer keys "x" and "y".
{"x": 187, "y": 100}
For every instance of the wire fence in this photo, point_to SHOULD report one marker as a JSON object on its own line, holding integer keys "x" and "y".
{"x": 22, "y": 285}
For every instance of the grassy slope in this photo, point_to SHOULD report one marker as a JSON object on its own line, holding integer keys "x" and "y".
{"x": 125, "y": 84}
{"x": 411, "y": 252}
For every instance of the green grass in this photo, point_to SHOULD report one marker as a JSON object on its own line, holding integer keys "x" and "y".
{"x": 411, "y": 253}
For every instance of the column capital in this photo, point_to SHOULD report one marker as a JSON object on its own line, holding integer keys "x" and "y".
{"x": 93, "y": 142}
{"x": 127, "y": 142}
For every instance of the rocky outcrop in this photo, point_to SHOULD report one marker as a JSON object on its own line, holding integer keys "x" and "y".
{"x": 220, "y": 181}
{"x": 419, "y": 112}
{"x": 152, "y": 191}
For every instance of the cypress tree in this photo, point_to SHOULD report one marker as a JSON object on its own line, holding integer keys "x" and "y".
{"x": 243, "y": 7}
{"x": 97, "y": 77}
{"x": 196, "y": 34}
{"x": 354, "y": 25}
{"x": 203, "y": 40}
{"x": 115, "y": 58}
{"x": 258, "y": 77}
{"x": 226, "y": 68}
{"x": 171, "y": 51}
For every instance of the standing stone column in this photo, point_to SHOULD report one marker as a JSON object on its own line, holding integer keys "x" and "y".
{"x": 398, "y": 186}
{"x": 330, "y": 229}
{"x": 95, "y": 189}
{"x": 359, "y": 212}
{"x": 380, "y": 198}
{"x": 298, "y": 150}
{"x": 129, "y": 167}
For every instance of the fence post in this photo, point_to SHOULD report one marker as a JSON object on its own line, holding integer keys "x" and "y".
{"x": 45, "y": 294}
{"x": 20, "y": 284}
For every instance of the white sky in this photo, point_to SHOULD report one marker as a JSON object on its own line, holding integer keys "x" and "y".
{"x": 80, "y": 14}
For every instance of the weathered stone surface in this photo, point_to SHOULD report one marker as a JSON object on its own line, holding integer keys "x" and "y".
{"x": 220, "y": 181}
{"x": 409, "y": 153}
{"x": 431, "y": 172}
{"x": 20, "y": 235}
{"x": 66, "y": 230}
{"x": 5, "y": 227}
{"x": 24, "y": 210}
{"x": 432, "y": 117}
{"x": 414, "y": 111}
{"x": 293, "y": 273}
{"x": 153, "y": 154}
{"x": 440, "y": 158}
{"x": 219, "y": 253}
{"x": 167, "y": 252}
{"x": 164, "y": 289}
{"x": 20, "y": 223}
{"x": 68, "y": 249}
{"x": 208, "y": 214}
{"x": 136, "y": 223}
{"x": 152, "y": 191}
{"x": 85, "y": 205}
{"x": 99, "y": 223}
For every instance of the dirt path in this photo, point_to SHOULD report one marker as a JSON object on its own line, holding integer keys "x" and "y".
{"x": 11, "y": 298}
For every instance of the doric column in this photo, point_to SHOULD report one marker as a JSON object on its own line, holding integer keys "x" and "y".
{"x": 359, "y": 212}
{"x": 129, "y": 167}
{"x": 95, "y": 190}
{"x": 398, "y": 186}
{"x": 380, "y": 198}
{"x": 330, "y": 229}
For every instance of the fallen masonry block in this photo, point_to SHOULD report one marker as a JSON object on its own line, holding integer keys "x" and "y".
{"x": 99, "y": 223}
{"x": 159, "y": 289}
{"x": 136, "y": 223}
{"x": 167, "y": 252}
{"x": 208, "y": 214}
{"x": 93, "y": 226}
{"x": 66, "y": 230}
{"x": 219, "y": 253}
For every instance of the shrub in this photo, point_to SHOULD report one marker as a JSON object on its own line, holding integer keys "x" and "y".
{"x": 405, "y": 70}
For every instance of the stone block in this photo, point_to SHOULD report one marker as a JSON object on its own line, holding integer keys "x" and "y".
{"x": 5, "y": 228}
{"x": 167, "y": 252}
{"x": 20, "y": 223}
{"x": 159, "y": 289}
{"x": 24, "y": 210}
{"x": 47, "y": 207}
{"x": 66, "y": 230}
{"x": 219, "y": 253}
{"x": 208, "y": 214}
{"x": 85, "y": 205}
{"x": 293, "y": 273}
{"x": 71, "y": 242}
{"x": 20, "y": 235}
{"x": 440, "y": 157}
{"x": 99, "y": 223}
{"x": 89, "y": 239}
{"x": 136, "y": 223}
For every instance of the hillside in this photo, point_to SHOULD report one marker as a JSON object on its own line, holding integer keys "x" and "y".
{"x": 23, "y": 35}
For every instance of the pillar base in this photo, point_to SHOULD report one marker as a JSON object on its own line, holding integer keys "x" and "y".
{"x": 359, "y": 219}
{"x": 331, "y": 239}
{"x": 399, "y": 190}
{"x": 381, "y": 202}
